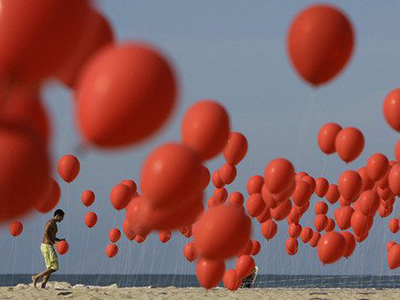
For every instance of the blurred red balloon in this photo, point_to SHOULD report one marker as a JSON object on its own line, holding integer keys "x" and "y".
{"x": 255, "y": 184}
{"x": 255, "y": 205}
{"x": 235, "y": 149}
{"x": 311, "y": 181}
{"x": 377, "y": 166}
{"x": 302, "y": 193}
{"x": 391, "y": 109}
{"x": 120, "y": 196}
{"x": 25, "y": 166}
{"x": 244, "y": 266}
{"x": 165, "y": 236}
{"x": 306, "y": 234}
{"x": 327, "y": 137}
{"x": 236, "y": 199}
{"x": 90, "y": 219}
{"x": 189, "y": 251}
{"x": 62, "y": 247}
{"x": 330, "y": 225}
{"x": 221, "y": 232}
{"x": 205, "y": 177}
{"x": 256, "y": 248}
{"x": 88, "y": 198}
{"x": 282, "y": 210}
{"x": 130, "y": 184}
{"x": 343, "y": 216}
{"x": 385, "y": 211}
{"x": 350, "y": 243}
{"x": 129, "y": 233}
{"x": 216, "y": 180}
{"x": 124, "y": 95}
{"x": 397, "y": 151}
{"x": 111, "y": 250}
{"x": 321, "y": 208}
{"x": 40, "y": 35}
{"x": 96, "y": 34}
{"x": 264, "y": 216}
{"x": 385, "y": 194}
{"x": 279, "y": 175}
{"x": 231, "y": 280}
{"x": 389, "y": 245}
{"x": 291, "y": 246}
{"x": 394, "y": 225}
{"x": 394, "y": 257}
{"x": 140, "y": 238}
{"x": 220, "y": 195}
{"x": 300, "y": 175}
{"x": 294, "y": 230}
{"x": 205, "y": 128}
{"x": 343, "y": 202}
{"x": 315, "y": 239}
{"x": 51, "y": 198}
{"x": 210, "y": 272}
{"x": 294, "y": 216}
{"x": 360, "y": 223}
{"x": 170, "y": 175}
{"x": 394, "y": 179}
{"x": 349, "y": 143}
{"x": 269, "y": 229}
{"x": 269, "y": 199}
{"x": 350, "y": 184}
{"x": 68, "y": 167}
{"x": 368, "y": 183}
{"x": 333, "y": 194}
{"x": 322, "y": 186}
{"x": 16, "y": 228}
{"x": 227, "y": 173}
{"x": 368, "y": 203}
{"x": 114, "y": 235}
{"x": 331, "y": 247}
{"x": 286, "y": 194}
{"x": 320, "y": 222}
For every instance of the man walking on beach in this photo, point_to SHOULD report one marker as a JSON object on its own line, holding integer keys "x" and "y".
{"x": 50, "y": 255}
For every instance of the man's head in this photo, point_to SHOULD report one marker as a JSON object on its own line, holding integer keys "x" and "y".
{"x": 59, "y": 215}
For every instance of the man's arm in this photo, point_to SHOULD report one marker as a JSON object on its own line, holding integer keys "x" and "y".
{"x": 58, "y": 240}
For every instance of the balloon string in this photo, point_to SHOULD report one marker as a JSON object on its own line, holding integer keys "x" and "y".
{"x": 15, "y": 256}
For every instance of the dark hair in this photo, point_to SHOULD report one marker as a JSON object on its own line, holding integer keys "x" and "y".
{"x": 59, "y": 212}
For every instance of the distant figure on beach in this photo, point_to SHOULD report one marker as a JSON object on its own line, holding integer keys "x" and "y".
{"x": 249, "y": 280}
{"x": 50, "y": 255}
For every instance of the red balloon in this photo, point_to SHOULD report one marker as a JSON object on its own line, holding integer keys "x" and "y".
{"x": 397, "y": 151}
{"x": 190, "y": 252}
{"x": 394, "y": 257}
{"x": 349, "y": 143}
{"x": 120, "y": 196}
{"x": 111, "y": 250}
{"x": 331, "y": 247}
{"x": 300, "y": 175}
{"x": 114, "y": 235}
{"x": 394, "y": 179}
{"x": 291, "y": 246}
{"x": 205, "y": 177}
{"x": 269, "y": 199}
{"x": 389, "y": 245}
{"x": 320, "y": 43}
{"x": 140, "y": 238}
{"x": 129, "y": 233}
{"x": 264, "y": 216}
{"x": 246, "y": 250}
{"x": 68, "y": 167}
{"x": 269, "y": 229}
{"x": 302, "y": 209}
{"x": 368, "y": 183}
{"x": 40, "y": 36}
{"x": 220, "y": 195}
{"x": 315, "y": 239}
{"x": 51, "y": 198}
{"x": 320, "y": 222}
{"x": 294, "y": 216}
{"x": 231, "y": 280}
{"x": 344, "y": 202}
{"x": 333, "y": 194}
{"x": 294, "y": 230}
{"x": 96, "y": 34}
{"x": 385, "y": 211}
{"x": 350, "y": 184}
{"x": 306, "y": 234}
{"x": 360, "y": 223}
{"x": 256, "y": 248}
{"x": 131, "y": 185}
{"x": 385, "y": 194}
{"x": 236, "y": 148}
{"x": 210, "y": 272}
{"x": 343, "y": 217}
{"x": 137, "y": 99}
{"x": 350, "y": 244}
{"x": 170, "y": 175}
{"x": 302, "y": 193}
{"x": 221, "y": 232}
{"x": 205, "y": 128}
{"x": 90, "y": 219}
{"x": 391, "y": 109}
{"x": 227, "y": 173}
{"x": 244, "y": 266}
{"x": 322, "y": 186}
{"x": 16, "y": 228}
{"x": 282, "y": 210}
{"x": 165, "y": 236}
{"x": 330, "y": 225}
{"x": 255, "y": 184}
{"x": 88, "y": 198}
{"x": 368, "y": 203}
{"x": 377, "y": 166}
{"x": 394, "y": 225}
{"x": 255, "y": 205}
{"x": 236, "y": 199}
{"x": 216, "y": 180}
{"x": 25, "y": 167}
{"x": 311, "y": 181}
{"x": 327, "y": 136}
{"x": 279, "y": 175}
{"x": 62, "y": 247}
{"x": 321, "y": 208}
{"x": 286, "y": 194}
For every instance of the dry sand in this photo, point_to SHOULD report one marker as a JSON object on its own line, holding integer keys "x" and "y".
{"x": 60, "y": 290}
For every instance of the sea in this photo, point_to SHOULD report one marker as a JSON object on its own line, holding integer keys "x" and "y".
{"x": 167, "y": 280}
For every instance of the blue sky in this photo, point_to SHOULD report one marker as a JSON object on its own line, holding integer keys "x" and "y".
{"x": 234, "y": 52}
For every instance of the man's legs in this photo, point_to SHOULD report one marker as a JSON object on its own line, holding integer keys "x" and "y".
{"x": 46, "y": 278}
{"x": 46, "y": 272}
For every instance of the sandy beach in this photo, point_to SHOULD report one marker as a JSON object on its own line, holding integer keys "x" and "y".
{"x": 60, "y": 290}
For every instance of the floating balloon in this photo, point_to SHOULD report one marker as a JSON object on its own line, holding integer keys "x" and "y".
{"x": 111, "y": 250}
{"x": 327, "y": 137}
{"x": 311, "y": 182}
{"x": 360, "y": 223}
{"x": 331, "y": 247}
{"x": 231, "y": 280}
{"x": 220, "y": 195}
{"x": 227, "y": 173}
{"x": 294, "y": 230}
{"x": 306, "y": 234}
{"x": 350, "y": 184}
{"x": 170, "y": 174}
{"x": 330, "y": 225}
{"x": 343, "y": 217}
{"x": 367, "y": 182}
{"x": 397, "y": 151}
{"x": 255, "y": 205}
{"x": 333, "y": 194}
{"x": 377, "y": 166}
{"x": 282, "y": 210}
{"x": 321, "y": 208}
{"x": 350, "y": 243}
{"x": 244, "y": 266}
{"x": 236, "y": 199}
{"x": 90, "y": 219}
{"x": 322, "y": 186}
{"x": 302, "y": 193}
{"x": 394, "y": 179}
{"x": 368, "y": 203}
{"x": 62, "y": 247}
{"x": 291, "y": 246}
{"x": 394, "y": 225}
{"x": 68, "y": 168}
{"x": 391, "y": 109}
{"x": 129, "y": 233}
{"x": 300, "y": 175}
{"x": 389, "y": 245}
{"x": 205, "y": 128}
{"x": 286, "y": 194}
{"x": 189, "y": 251}
{"x": 88, "y": 198}
{"x": 269, "y": 199}
{"x": 279, "y": 175}
{"x": 269, "y": 229}
{"x": 165, "y": 236}
{"x": 120, "y": 196}
{"x": 256, "y": 248}
{"x": 205, "y": 177}
{"x": 114, "y": 235}
{"x": 16, "y": 228}
{"x": 255, "y": 184}
{"x": 320, "y": 222}
{"x": 264, "y": 216}
{"x": 51, "y": 198}
{"x": 131, "y": 184}
{"x": 315, "y": 239}
{"x": 394, "y": 257}
{"x": 349, "y": 143}
{"x": 124, "y": 95}
{"x": 235, "y": 149}
{"x": 210, "y": 272}
{"x": 216, "y": 180}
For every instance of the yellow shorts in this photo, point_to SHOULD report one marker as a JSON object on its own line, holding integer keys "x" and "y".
{"x": 50, "y": 256}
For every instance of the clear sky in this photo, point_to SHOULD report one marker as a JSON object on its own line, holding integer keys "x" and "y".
{"x": 234, "y": 52}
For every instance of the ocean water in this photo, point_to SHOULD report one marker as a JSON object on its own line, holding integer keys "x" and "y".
{"x": 262, "y": 281}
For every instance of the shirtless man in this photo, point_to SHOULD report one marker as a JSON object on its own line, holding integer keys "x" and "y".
{"x": 50, "y": 256}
